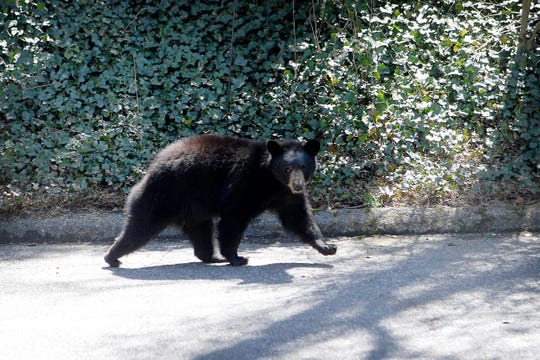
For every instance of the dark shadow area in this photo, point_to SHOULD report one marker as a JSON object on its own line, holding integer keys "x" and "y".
{"x": 514, "y": 157}
{"x": 249, "y": 274}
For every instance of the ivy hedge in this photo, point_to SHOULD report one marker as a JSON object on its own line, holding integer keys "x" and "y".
{"x": 414, "y": 101}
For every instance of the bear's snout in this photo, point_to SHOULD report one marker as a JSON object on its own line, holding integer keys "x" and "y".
{"x": 297, "y": 183}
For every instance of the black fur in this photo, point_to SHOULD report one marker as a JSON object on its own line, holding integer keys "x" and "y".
{"x": 203, "y": 177}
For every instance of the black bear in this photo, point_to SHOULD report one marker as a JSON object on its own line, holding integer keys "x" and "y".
{"x": 199, "y": 178}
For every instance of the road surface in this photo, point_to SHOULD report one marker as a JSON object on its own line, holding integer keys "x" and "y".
{"x": 422, "y": 297}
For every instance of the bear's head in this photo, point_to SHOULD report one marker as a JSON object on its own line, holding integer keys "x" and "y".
{"x": 292, "y": 163}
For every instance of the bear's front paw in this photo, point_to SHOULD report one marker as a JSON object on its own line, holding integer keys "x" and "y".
{"x": 112, "y": 262}
{"x": 238, "y": 261}
{"x": 327, "y": 249}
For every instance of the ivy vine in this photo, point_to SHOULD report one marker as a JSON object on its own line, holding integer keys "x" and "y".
{"x": 413, "y": 101}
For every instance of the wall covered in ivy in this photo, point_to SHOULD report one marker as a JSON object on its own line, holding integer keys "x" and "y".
{"x": 413, "y": 101}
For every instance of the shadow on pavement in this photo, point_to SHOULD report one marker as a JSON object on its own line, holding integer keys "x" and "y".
{"x": 251, "y": 274}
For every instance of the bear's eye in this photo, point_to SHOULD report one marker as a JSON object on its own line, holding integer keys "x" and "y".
{"x": 288, "y": 169}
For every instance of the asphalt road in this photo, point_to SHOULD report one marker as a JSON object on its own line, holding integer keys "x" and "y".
{"x": 430, "y": 297}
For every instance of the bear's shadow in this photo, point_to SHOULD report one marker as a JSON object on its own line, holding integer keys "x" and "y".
{"x": 249, "y": 274}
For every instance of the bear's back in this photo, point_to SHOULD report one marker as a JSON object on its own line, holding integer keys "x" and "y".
{"x": 214, "y": 147}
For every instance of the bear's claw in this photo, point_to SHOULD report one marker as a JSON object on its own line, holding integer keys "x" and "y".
{"x": 112, "y": 262}
{"x": 328, "y": 249}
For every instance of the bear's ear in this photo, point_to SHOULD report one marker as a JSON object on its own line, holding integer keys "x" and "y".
{"x": 312, "y": 147}
{"x": 274, "y": 148}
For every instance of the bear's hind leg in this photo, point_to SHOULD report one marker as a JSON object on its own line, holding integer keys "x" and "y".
{"x": 135, "y": 235}
{"x": 230, "y": 234}
{"x": 201, "y": 237}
